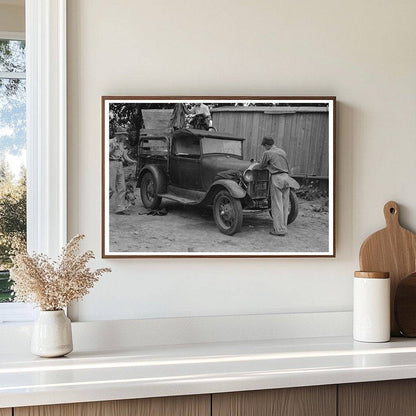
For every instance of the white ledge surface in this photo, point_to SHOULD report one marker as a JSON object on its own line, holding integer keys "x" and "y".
{"x": 151, "y": 371}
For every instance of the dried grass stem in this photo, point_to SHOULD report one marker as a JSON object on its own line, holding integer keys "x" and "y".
{"x": 53, "y": 285}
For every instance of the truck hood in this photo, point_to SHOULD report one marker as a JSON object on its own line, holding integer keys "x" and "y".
{"x": 211, "y": 165}
{"x": 221, "y": 163}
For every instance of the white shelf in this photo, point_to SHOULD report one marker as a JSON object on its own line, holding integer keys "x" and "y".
{"x": 150, "y": 371}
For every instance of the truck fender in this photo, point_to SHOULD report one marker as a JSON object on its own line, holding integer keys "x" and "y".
{"x": 160, "y": 177}
{"x": 232, "y": 187}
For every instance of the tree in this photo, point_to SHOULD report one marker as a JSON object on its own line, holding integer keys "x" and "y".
{"x": 12, "y": 97}
{"x": 12, "y": 56}
{"x": 12, "y": 213}
{"x": 130, "y": 116}
{"x": 12, "y": 142}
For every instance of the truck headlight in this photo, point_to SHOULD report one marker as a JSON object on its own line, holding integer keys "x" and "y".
{"x": 248, "y": 176}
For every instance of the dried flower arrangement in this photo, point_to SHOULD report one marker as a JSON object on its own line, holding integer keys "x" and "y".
{"x": 53, "y": 285}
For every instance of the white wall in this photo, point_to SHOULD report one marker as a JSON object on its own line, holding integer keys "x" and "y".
{"x": 12, "y": 18}
{"x": 361, "y": 51}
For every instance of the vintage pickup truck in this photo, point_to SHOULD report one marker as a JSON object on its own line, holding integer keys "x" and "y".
{"x": 199, "y": 167}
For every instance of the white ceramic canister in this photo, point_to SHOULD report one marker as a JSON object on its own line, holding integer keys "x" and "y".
{"x": 371, "y": 313}
{"x": 52, "y": 334}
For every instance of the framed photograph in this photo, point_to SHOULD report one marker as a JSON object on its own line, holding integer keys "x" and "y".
{"x": 218, "y": 176}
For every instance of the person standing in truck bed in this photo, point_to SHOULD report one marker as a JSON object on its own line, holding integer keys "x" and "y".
{"x": 201, "y": 116}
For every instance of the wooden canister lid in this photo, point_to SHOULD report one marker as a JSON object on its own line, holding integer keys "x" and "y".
{"x": 372, "y": 275}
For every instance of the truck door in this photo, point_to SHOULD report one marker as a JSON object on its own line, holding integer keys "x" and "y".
{"x": 185, "y": 162}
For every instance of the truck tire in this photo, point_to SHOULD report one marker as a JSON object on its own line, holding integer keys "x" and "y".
{"x": 294, "y": 207}
{"x": 228, "y": 213}
{"x": 148, "y": 191}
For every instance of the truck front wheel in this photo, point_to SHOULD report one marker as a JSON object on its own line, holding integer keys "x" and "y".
{"x": 228, "y": 213}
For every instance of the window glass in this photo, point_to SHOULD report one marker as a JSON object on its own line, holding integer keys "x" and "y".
{"x": 12, "y": 56}
{"x": 231, "y": 147}
{"x": 187, "y": 146}
{"x": 12, "y": 156}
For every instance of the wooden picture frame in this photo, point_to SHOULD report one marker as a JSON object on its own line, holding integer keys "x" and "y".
{"x": 180, "y": 170}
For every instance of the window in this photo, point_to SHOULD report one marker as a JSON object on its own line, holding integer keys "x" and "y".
{"x": 187, "y": 146}
{"x": 12, "y": 154}
{"x": 45, "y": 27}
{"x": 231, "y": 147}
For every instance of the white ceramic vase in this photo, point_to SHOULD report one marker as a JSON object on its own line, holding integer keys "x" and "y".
{"x": 52, "y": 334}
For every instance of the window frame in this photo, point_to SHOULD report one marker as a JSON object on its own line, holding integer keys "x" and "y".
{"x": 46, "y": 126}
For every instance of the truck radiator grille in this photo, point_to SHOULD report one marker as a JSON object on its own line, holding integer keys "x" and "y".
{"x": 259, "y": 188}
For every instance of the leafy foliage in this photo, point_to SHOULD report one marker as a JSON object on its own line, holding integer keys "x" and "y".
{"x": 12, "y": 214}
{"x": 12, "y": 56}
{"x": 12, "y": 142}
{"x": 310, "y": 190}
{"x": 6, "y": 294}
{"x": 12, "y": 224}
{"x": 129, "y": 115}
{"x": 12, "y": 97}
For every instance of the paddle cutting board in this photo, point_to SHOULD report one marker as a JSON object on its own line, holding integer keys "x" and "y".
{"x": 393, "y": 250}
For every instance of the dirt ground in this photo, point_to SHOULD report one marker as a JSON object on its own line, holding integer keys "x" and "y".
{"x": 189, "y": 229}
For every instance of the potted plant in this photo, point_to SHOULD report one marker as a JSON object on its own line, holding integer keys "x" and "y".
{"x": 52, "y": 286}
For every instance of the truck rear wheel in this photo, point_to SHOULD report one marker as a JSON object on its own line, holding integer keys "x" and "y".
{"x": 293, "y": 207}
{"x": 148, "y": 192}
{"x": 228, "y": 213}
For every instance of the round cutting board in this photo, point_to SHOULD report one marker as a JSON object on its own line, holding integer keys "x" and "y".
{"x": 393, "y": 250}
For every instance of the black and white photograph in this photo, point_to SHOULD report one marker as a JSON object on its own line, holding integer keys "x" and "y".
{"x": 218, "y": 176}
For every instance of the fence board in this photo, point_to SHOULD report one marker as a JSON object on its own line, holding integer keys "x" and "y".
{"x": 303, "y": 135}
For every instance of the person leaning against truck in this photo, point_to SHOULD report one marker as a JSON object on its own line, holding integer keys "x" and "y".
{"x": 118, "y": 155}
{"x": 275, "y": 161}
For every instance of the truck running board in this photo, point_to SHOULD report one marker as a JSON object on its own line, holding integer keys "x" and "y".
{"x": 181, "y": 200}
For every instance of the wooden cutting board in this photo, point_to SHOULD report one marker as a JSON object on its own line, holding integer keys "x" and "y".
{"x": 393, "y": 250}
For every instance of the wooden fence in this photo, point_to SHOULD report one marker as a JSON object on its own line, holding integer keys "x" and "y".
{"x": 301, "y": 131}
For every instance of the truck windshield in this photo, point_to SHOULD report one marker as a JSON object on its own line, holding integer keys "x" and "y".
{"x": 229, "y": 147}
